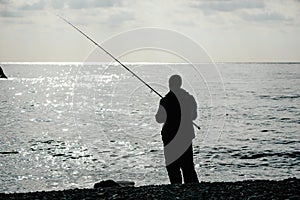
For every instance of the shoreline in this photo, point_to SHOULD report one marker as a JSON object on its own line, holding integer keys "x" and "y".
{"x": 248, "y": 189}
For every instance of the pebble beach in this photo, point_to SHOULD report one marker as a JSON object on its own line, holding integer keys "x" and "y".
{"x": 249, "y": 189}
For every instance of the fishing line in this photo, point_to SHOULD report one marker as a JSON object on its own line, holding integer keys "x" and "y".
{"x": 134, "y": 74}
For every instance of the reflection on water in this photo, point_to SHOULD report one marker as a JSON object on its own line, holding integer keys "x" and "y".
{"x": 71, "y": 125}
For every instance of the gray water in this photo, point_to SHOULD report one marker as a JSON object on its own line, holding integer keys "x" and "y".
{"x": 70, "y": 125}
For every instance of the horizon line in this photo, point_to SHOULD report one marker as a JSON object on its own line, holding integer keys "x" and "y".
{"x": 113, "y": 62}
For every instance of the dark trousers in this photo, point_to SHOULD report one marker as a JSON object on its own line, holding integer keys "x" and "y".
{"x": 186, "y": 164}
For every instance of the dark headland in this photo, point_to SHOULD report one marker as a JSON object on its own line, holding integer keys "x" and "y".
{"x": 250, "y": 189}
{"x": 2, "y": 75}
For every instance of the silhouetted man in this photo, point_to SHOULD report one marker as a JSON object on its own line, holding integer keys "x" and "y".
{"x": 177, "y": 110}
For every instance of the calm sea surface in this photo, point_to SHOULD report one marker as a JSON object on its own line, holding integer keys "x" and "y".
{"x": 68, "y": 125}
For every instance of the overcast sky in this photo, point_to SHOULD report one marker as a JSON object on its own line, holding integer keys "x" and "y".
{"x": 229, "y": 30}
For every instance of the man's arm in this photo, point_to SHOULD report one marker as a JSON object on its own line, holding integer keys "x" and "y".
{"x": 194, "y": 108}
{"x": 161, "y": 115}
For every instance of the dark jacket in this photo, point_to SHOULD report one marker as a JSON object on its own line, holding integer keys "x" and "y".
{"x": 177, "y": 110}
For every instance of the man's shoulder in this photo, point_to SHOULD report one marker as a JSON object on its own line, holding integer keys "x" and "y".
{"x": 187, "y": 97}
{"x": 185, "y": 93}
{"x": 166, "y": 97}
{"x": 169, "y": 97}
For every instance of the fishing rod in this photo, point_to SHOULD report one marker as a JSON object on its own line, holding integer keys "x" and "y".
{"x": 134, "y": 74}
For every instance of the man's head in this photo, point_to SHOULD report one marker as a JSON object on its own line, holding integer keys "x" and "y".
{"x": 175, "y": 82}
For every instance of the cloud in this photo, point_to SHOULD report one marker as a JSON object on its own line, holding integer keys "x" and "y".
{"x": 57, "y": 4}
{"x": 9, "y": 14}
{"x": 120, "y": 17}
{"x": 40, "y": 5}
{"x": 266, "y": 16}
{"x": 4, "y": 1}
{"x": 255, "y": 11}
{"x": 230, "y": 5}
{"x": 80, "y": 4}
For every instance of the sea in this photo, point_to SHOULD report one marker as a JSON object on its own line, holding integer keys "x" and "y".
{"x": 70, "y": 125}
